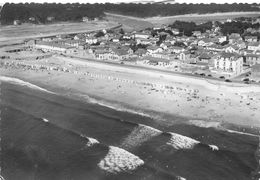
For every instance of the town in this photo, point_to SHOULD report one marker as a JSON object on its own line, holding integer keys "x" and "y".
{"x": 208, "y": 54}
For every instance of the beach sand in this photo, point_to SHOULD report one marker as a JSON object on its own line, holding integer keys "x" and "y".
{"x": 157, "y": 94}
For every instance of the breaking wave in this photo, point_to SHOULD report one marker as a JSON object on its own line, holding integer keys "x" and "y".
{"x": 115, "y": 106}
{"x": 238, "y": 132}
{"x": 119, "y": 160}
{"x": 140, "y": 134}
{"x": 181, "y": 142}
{"x": 23, "y": 83}
{"x": 217, "y": 125}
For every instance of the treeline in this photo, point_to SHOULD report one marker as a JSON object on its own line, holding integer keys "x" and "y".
{"x": 75, "y": 11}
{"x": 237, "y": 27}
{"x": 186, "y": 28}
{"x": 150, "y": 10}
{"x": 43, "y": 13}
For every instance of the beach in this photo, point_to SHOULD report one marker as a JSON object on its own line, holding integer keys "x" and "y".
{"x": 157, "y": 94}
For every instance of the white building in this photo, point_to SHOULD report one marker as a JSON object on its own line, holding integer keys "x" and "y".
{"x": 228, "y": 64}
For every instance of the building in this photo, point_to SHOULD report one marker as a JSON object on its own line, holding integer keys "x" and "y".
{"x": 251, "y": 38}
{"x": 50, "y": 18}
{"x": 254, "y": 46}
{"x": 141, "y": 35}
{"x": 159, "y": 62}
{"x": 252, "y": 59}
{"x": 51, "y": 46}
{"x": 234, "y": 37}
{"x": 175, "y": 31}
{"x": 228, "y": 64}
{"x": 232, "y": 49}
{"x": 154, "y": 49}
{"x": 205, "y": 42}
{"x": 17, "y": 22}
{"x": 86, "y": 19}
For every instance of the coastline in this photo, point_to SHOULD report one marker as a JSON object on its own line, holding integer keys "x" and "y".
{"x": 217, "y": 105}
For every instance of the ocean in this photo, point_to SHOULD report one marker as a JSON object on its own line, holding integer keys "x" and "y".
{"x": 47, "y": 136}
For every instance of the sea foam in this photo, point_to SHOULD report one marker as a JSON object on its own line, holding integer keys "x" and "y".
{"x": 23, "y": 83}
{"x": 140, "y": 134}
{"x": 45, "y": 120}
{"x": 115, "y": 106}
{"x": 214, "y": 147}
{"x": 204, "y": 124}
{"x": 181, "y": 142}
{"x": 91, "y": 141}
{"x": 119, "y": 160}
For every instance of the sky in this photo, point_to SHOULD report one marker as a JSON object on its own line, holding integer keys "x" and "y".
{"x": 127, "y": 1}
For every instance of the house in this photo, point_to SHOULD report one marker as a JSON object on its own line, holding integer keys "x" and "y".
{"x": 196, "y": 33}
{"x": 141, "y": 35}
{"x": 51, "y": 46}
{"x": 222, "y": 39}
{"x": 234, "y": 37}
{"x": 166, "y": 45}
{"x": 252, "y": 59}
{"x": 79, "y": 36}
{"x": 91, "y": 40}
{"x": 86, "y": 19}
{"x": 175, "y": 31}
{"x": 251, "y": 38}
{"x": 73, "y": 43}
{"x": 154, "y": 49}
{"x": 17, "y": 22}
{"x": 170, "y": 39}
{"x": 227, "y": 64}
{"x": 160, "y": 62}
{"x": 254, "y": 46}
{"x": 176, "y": 49}
{"x": 241, "y": 44}
{"x": 50, "y": 18}
{"x": 32, "y": 19}
{"x": 126, "y": 36}
{"x": 187, "y": 57}
{"x": 145, "y": 41}
{"x": 215, "y": 48}
{"x": 232, "y": 49}
{"x": 205, "y": 57}
{"x": 140, "y": 52}
{"x": 163, "y": 55}
{"x": 205, "y": 42}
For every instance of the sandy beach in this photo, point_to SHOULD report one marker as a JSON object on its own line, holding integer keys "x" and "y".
{"x": 156, "y": 94}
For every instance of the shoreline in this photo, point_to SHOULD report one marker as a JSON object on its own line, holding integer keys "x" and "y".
{"x": 146, "y": 94}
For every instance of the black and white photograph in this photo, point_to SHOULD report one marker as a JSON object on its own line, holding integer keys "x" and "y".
{"x": 129, "y": 90}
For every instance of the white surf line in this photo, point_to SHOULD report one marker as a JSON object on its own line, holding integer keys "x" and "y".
{"x": 216, "y": 125}
{"x": 23, "y": 83}
{"x": 114, "y": 106}
{"x": 239, "y": 132}
{"x": 140, "y": 134}
{"x": 119, "y": 160}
